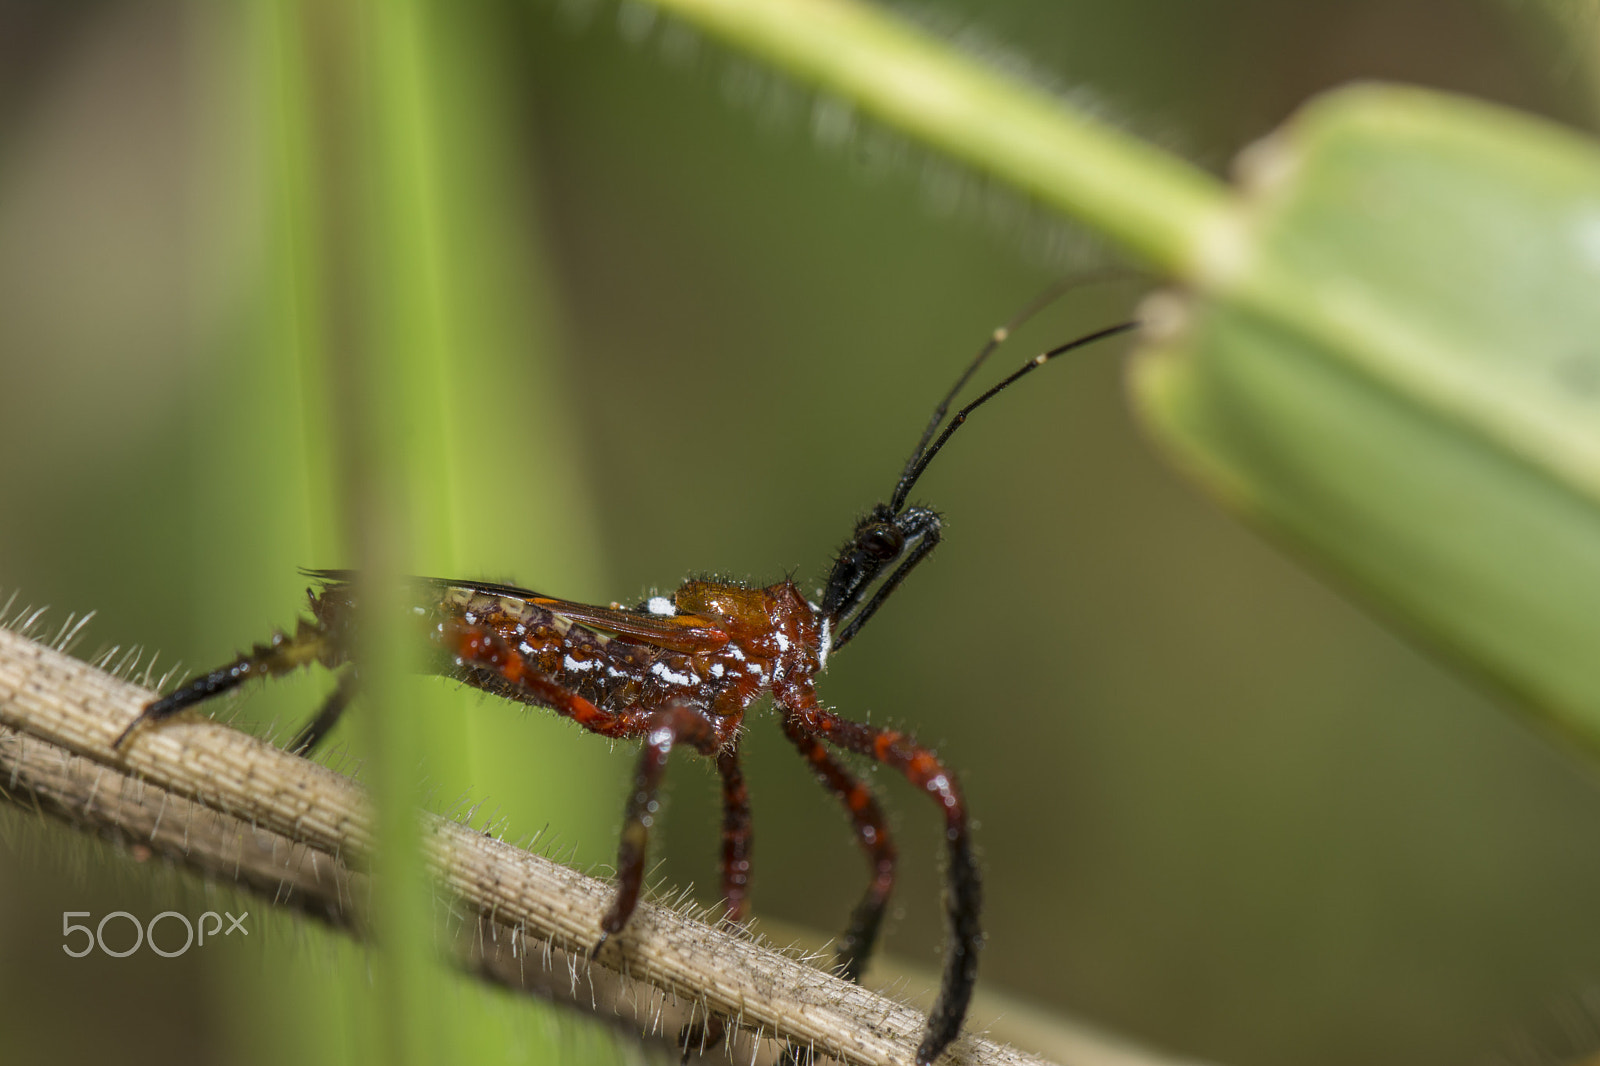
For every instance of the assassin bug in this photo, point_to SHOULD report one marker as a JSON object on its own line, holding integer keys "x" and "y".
{"x": 682, "y": 670}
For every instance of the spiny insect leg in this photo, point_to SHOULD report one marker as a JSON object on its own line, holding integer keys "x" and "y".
{"x": 312, "y": 732}
{"x": 964, "y": 895}
{"x": 736, "y": 835}
{"x": 310, "y": 643}
{"x": 736, "y": 839}
{"x": 872, "y": 831}
{"x": 662, "y": 729}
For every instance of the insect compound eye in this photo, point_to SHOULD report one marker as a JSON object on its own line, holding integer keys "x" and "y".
{"x": 883, "y": 542}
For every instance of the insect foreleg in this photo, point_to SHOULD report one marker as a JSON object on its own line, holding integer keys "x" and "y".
{"x": 964, "y": 891}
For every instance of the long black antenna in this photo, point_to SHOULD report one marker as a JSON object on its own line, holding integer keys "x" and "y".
{"x": 996, "y": 339}
{"x": 924, "y": 454}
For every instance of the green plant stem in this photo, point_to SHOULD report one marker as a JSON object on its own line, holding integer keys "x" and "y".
{"x": 1151, "y": 203}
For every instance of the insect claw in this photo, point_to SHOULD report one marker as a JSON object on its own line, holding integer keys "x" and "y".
{"x": 128, "y": 732}
{"x": 594, "y": 952}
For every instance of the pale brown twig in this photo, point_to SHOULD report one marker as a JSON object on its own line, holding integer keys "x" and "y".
{"x": 293, "y": 829}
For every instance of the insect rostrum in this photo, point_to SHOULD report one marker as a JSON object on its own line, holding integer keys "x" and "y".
{"x": 683, "y": 670}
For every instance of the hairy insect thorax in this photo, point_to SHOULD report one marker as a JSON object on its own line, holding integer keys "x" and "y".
{"x": 772, "y": 620}
{"x": 774, "y": 629}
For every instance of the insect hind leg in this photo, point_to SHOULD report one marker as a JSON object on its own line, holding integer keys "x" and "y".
{"x": 333, "y": 707}
{"x": 311, "y": 643}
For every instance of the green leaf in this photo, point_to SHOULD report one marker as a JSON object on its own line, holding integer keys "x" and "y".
{"x": 1149, "y": 201}
{"x": 1386, "y": 349}
{"x": 1397, "y": 366}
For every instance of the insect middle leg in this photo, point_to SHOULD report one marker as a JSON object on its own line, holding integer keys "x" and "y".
{"x": 872, "y": 831}
{"x": 736, "y": 839}
{"x": 736, "y": 835}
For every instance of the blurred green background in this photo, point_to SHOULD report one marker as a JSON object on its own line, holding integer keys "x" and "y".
{"x": 695, "y": 322}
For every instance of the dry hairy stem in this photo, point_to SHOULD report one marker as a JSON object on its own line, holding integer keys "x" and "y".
{"x": 292, "y": 830}
{"x": 38, "y": 776}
